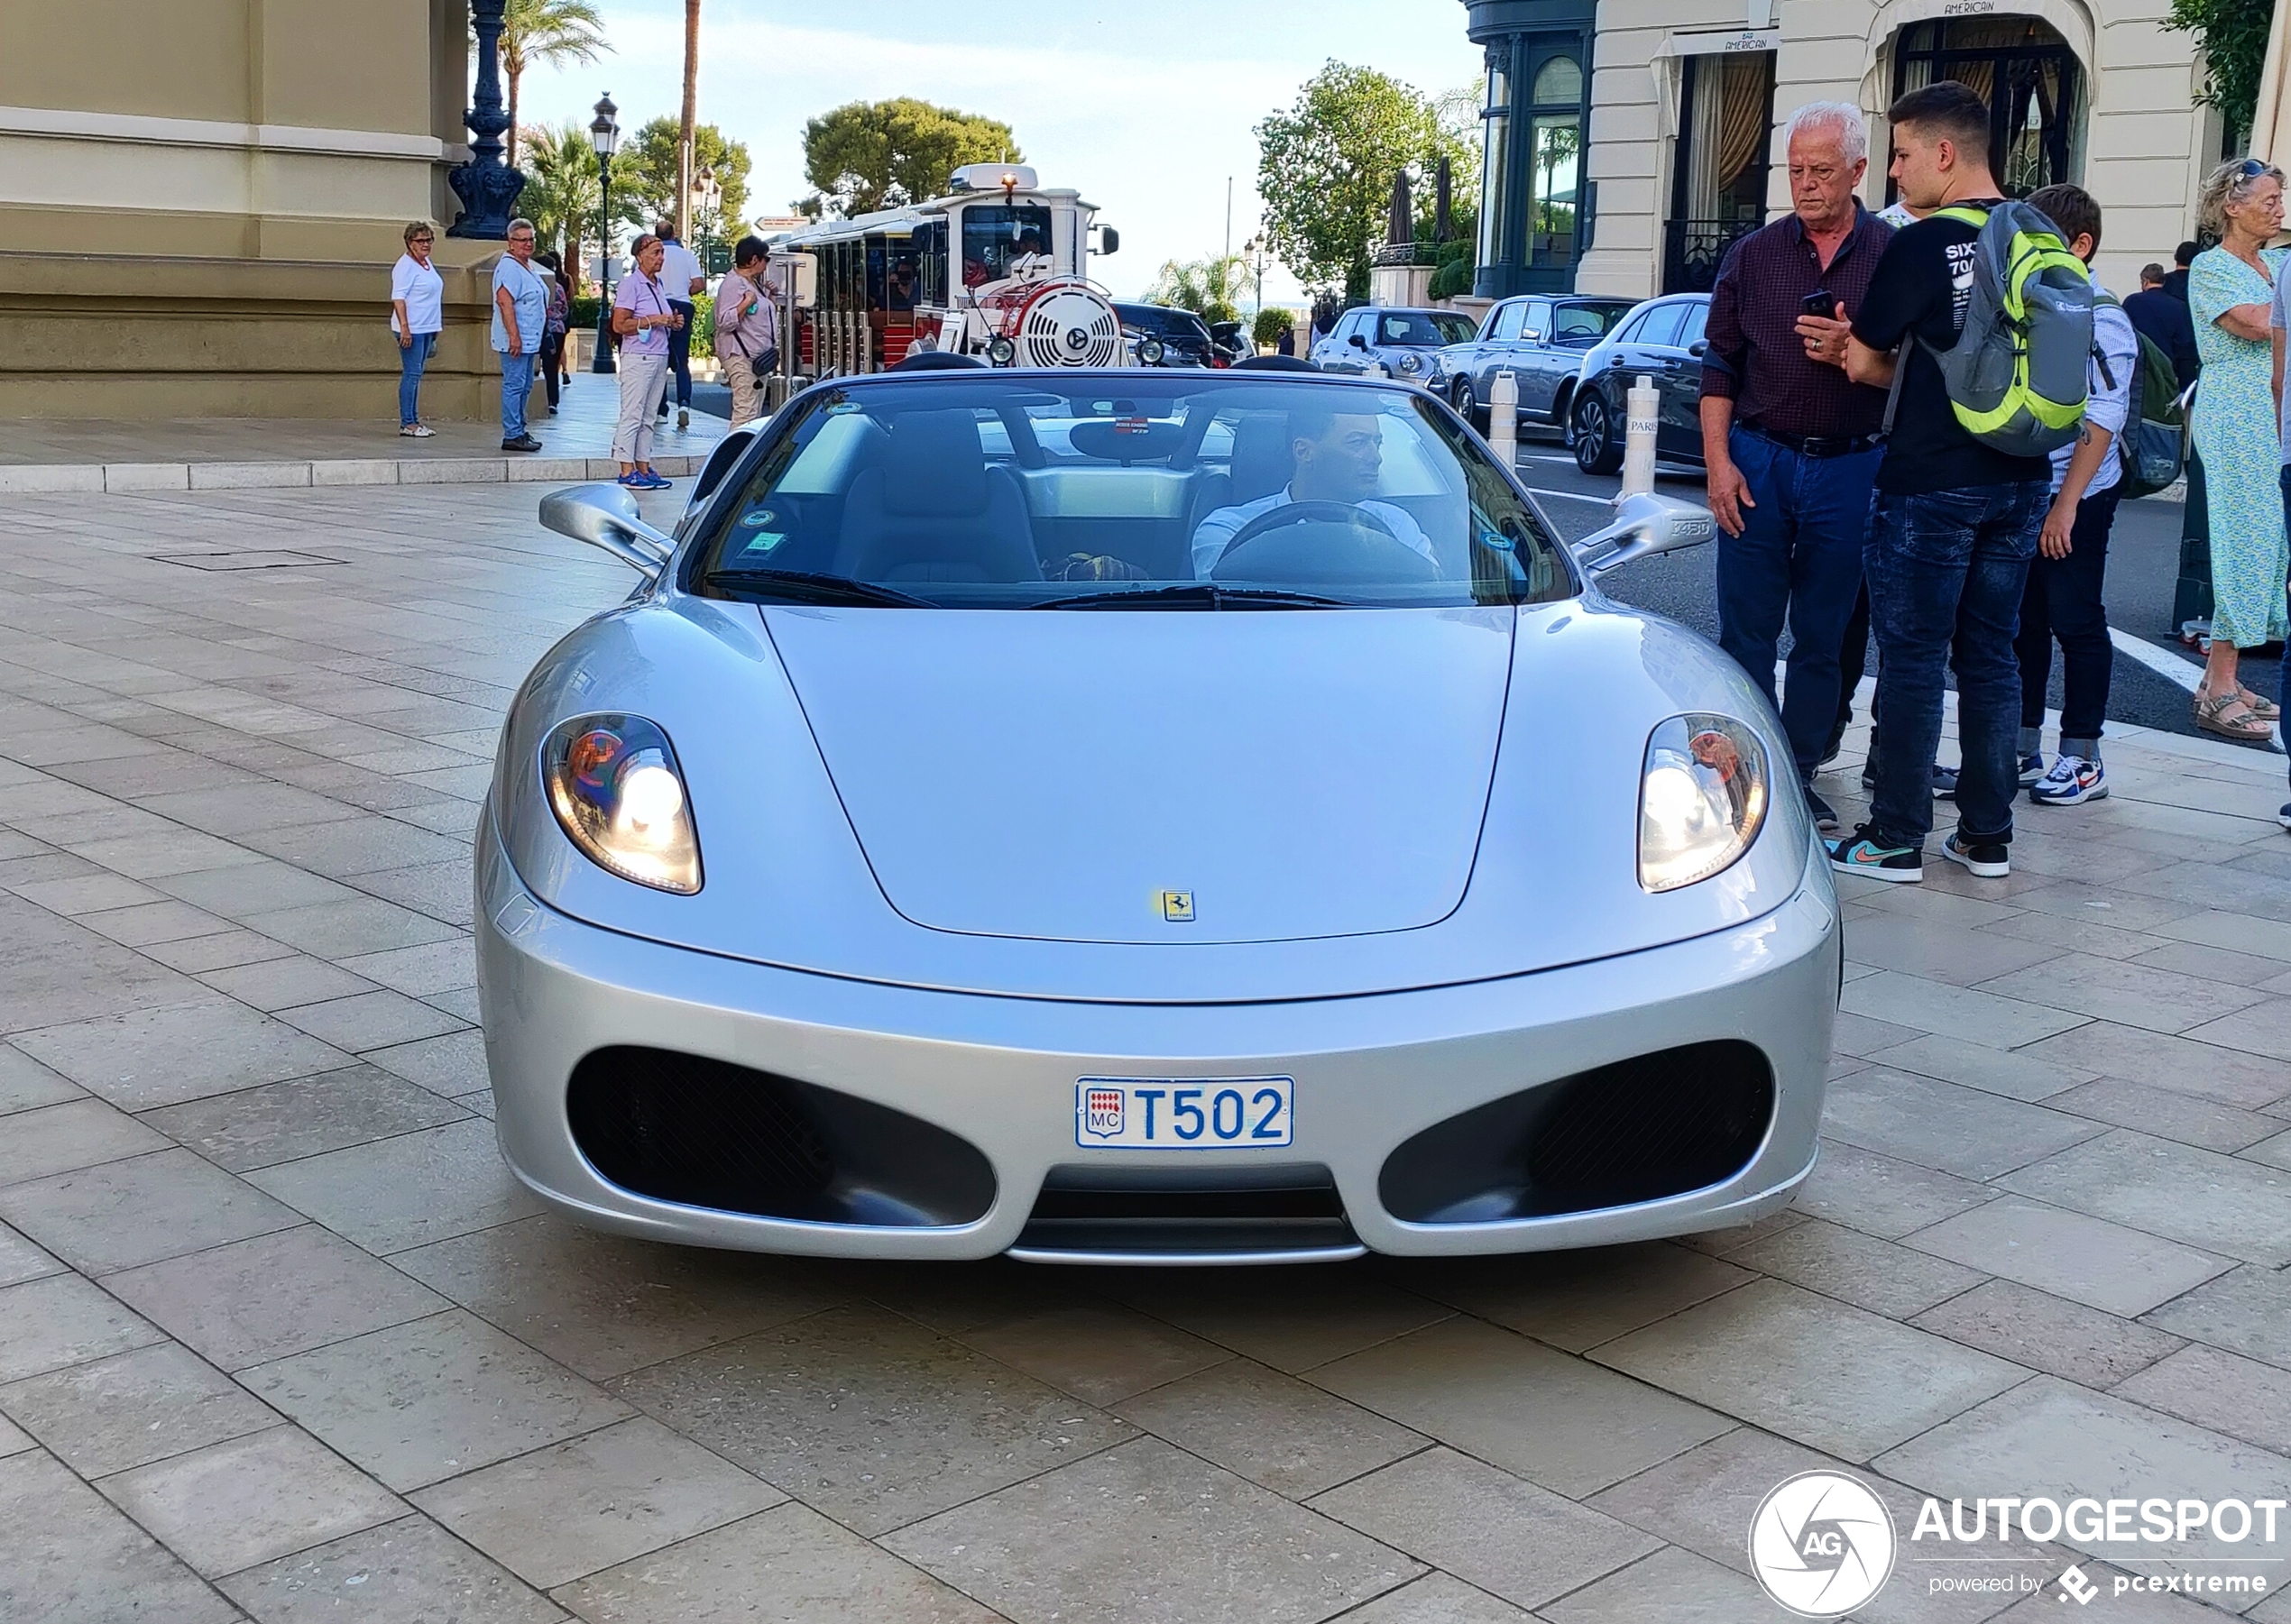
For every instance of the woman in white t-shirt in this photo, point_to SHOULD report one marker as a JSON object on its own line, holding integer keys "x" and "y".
{"x": 417, "y": 316}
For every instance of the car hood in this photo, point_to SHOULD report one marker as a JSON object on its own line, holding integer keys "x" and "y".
{"x": 992, "y": 802}
{"x": 1053, "y": 775}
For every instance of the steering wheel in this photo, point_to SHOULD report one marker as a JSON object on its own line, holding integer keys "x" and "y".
{"x": 1368, "y": 550}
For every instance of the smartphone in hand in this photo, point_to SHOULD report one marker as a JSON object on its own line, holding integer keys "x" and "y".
{"x": 1821, "y": 304}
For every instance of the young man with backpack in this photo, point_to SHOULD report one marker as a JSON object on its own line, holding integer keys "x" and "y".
{"x": 2062, "y": 598}
{"x": 1980, "y": 322}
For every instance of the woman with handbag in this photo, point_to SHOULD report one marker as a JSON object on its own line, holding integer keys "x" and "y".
{"x": 554, "y": 326}
{"x": 746, "y": 329}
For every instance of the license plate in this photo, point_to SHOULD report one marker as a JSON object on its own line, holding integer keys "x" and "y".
{"x": 1184, "y": 1114}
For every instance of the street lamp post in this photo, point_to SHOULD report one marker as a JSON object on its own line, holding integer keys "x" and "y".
{"x": 708, "y": 193}
{"x": 487, "y": 186}
{"x": 604, "y": 135}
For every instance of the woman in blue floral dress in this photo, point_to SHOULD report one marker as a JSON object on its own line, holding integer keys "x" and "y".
{"x": 2230, "y": 291}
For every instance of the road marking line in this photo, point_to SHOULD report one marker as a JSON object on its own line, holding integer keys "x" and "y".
{"x": 2170, "y": 667}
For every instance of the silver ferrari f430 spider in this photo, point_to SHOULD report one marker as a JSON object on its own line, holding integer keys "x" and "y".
{"x": 1143, "y": 817}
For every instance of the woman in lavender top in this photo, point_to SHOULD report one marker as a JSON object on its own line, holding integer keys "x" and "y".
{"x": 642, "y": 318}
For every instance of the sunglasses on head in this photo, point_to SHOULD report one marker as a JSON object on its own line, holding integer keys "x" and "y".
{"x": 2251, "y": 169}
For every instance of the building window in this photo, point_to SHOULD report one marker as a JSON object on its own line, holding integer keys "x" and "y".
{"x": 2027, "y": 74}
{"x": 1718, "y": 181}
{"x": 1494, "y": 169}
{"x": 1556, "y": 158}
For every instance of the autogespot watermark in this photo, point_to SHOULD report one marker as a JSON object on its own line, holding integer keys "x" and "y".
{"x": 1823, "y": 1543}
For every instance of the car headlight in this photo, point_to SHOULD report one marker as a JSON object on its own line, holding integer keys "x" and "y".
{"x": 1001, "y": 352}
{"x": 1150, "y": 351}
{"x": 617, "y": 792}
{"x": 1703, "y": 795}
{"x": 1411, "y": 364}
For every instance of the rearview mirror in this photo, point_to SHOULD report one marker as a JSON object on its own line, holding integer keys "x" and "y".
{"x": 607, "y": 517}
{"x": 1359, "y": 342}
{"x": 1535, "y": 336}
{"x": 1644, "y": 525}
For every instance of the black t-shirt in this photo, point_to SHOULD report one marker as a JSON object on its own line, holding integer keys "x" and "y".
{"x": 1920, "y": 289}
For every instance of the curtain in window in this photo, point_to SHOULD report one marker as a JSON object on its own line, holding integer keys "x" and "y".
{"x": 1742, "y": 118}
{"x": 1705, "y": 139}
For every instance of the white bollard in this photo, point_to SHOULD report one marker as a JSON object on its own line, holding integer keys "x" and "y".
{"x": 1644, "y": 405}
{"x": 1504, "y": 418}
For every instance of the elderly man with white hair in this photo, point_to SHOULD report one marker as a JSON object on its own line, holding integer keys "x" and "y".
{"x": 1789, "y": 441}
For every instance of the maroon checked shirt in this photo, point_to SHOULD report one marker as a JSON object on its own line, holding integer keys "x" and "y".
{"x": 1756, "y": 359}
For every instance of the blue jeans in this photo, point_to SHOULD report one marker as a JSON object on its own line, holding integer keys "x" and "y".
{"x": 1946, "y": 572}
{"x": 412, "y": 359}
{"x": 1799, "y": 551}
{"x": 517, "y": 388}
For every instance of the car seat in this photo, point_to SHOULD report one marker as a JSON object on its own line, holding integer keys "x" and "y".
{"x": 930, "y": 509}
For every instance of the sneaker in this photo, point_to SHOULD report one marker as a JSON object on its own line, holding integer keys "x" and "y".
{"x": 1945, "y": 783}
{"x": 417, "y": 431}
{"x": 2072, "y": 782}
{"x": 683, "y": 417}
{"x": 636, "y": 479}
{"x": 522, "y": 442}
{"x": 1863, "y": 853}
{"x": 1980, "y": 858}
{"x": 1825, "y": 815}
{"x": 2032, "y": 768}
{"x": 653, "y": 481}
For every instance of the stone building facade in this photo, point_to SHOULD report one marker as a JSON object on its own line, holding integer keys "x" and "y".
{"x": 1682, "y": 151}
{"x": 200, "y": 201}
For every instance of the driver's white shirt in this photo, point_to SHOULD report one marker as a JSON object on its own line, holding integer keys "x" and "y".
{"x": 1219, "y": 529}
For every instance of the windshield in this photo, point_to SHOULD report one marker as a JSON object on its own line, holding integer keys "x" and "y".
{"x": 1427, "y": 329}
{"x": 1586, "y": 325}
{"x": 1121, "y": 490}
{"x": 995, "y": 234}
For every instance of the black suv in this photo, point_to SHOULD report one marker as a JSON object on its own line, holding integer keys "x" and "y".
{"x": 1184, "y": 338}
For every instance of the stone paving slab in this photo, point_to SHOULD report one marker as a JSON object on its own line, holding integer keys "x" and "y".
{"x": 60, "y": 457}
{"x": 282, "y": 1341}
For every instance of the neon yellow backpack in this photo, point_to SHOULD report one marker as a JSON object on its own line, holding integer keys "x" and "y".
{"x": 2016, "y": 377}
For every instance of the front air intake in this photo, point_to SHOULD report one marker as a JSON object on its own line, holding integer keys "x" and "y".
{"x": 1641, "y": 1130}
{"x": 707, "y": 1133}
{"x": 1263, "y": 1214}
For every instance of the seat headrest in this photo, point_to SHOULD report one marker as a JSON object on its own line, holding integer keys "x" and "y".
{"x": 1263, "y": 459}
{"x": 934, "y": 465}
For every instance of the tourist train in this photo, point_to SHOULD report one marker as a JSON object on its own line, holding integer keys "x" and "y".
{"x": 998, "y": 269}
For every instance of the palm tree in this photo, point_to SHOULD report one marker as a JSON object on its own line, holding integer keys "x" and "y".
{"x": 560, "y": 195}
{"x": 691, "y": 110}
{"x": 546, "y": 33}
{"x": 1210, "y": 289}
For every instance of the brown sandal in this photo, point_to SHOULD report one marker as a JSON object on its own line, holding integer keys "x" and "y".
{"x": 2266, "y": 710}
{"x": 2211, "y": 717}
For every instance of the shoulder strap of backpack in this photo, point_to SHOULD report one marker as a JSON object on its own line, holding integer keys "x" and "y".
{"x": 1964, "y": 215}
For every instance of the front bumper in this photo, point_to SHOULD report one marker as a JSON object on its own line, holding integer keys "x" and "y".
{"x": 1000, "y": 1072}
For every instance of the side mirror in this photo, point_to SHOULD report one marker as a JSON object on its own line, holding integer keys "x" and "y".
{"x": 1644, "y": 525}
{"x": 1534, "y": 335}
{"x": 607, "y": 517}
{"x": 1359, "y": 342}
{"x": 1699, "y": 348}
{"x": 1110, "y": 240}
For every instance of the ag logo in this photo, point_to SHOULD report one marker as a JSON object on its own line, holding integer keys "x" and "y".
{"x": 1822, "y": 1543}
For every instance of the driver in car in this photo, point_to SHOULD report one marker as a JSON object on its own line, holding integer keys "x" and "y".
{"x": 1340, "y": 458}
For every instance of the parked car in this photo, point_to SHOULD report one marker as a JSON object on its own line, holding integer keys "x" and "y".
{"x": 1183, "y": 336}
{"x": 1661, "y": 339}
{"x": 1404, "y": 343}
{"x": 1015, "y": 813}
{"x": 1541, "y": 341}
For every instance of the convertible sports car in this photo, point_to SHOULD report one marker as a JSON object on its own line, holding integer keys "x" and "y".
{"x": 1144, "y": 817}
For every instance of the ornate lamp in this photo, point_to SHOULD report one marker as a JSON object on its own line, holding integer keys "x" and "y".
{"x": 487, "y": 187}
{"x": 604, "y": 136}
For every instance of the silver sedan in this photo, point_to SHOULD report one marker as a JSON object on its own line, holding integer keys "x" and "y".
{"x": 1144, "y": 818}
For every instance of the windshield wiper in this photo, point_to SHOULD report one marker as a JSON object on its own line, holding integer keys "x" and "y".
{"x": 810, "y": 586}
{"x": 1207, "y": 594}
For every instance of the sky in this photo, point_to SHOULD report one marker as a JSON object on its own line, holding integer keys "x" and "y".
{"x": 1146, "y": 109}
